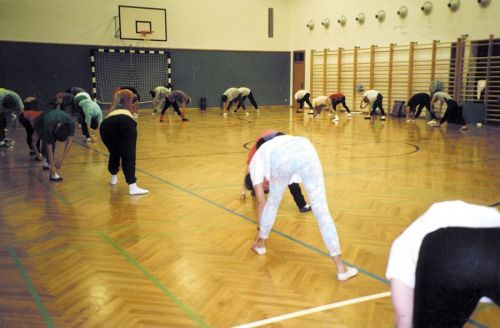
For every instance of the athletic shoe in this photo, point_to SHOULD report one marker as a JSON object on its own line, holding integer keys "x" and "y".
{"x": 348, "y": 114}
{"x": 133, "y": 189}
{"x": 463, "y": 128}
{"x": 368, "y": 117}
{"x": 235, "y": 110}
{"x": 382, "y": 118}
{"x": 432, "y": 123}
{"x": 88, "y": 140}
{"x": 161, "y": 118}
{"x": 7, "y": 143}
{"x": 350, "y": 272}
{"x": 336, "y": 118}
{"x": 56, "y": 178}
{"x": 247, "y": 113}
{"x": 298, "y": 111}
{"x": 306, "y": 208}
{"x": 259, "y": 250}
{"x": 311, "y": 112}
{"x": 225, "y": 114}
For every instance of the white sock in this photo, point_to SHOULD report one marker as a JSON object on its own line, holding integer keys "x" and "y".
{"x": 114, "y": 179}
{"x": 134, "y": 190}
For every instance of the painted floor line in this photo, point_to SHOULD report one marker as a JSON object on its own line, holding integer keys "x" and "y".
{"x": 314, "y": 310}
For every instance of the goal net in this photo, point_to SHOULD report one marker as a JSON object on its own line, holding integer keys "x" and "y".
{"x": 142, "y": 69}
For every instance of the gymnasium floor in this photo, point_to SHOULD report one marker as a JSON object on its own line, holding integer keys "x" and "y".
{"x": 84, "y": 254}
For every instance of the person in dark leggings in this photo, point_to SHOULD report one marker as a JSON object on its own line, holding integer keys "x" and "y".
{"x": 119, "y": 134}
{"x": 10, "y": 103}
{"x": 404, "y": 255}
{"x": 339, "y": 98}
{"x": 246, "y": 93}
{"x": 294, "y": 187}
{"x": 27, "y": 119}
{"x": 174, "y": 97}
{"x": 453, "y": 114}
{"x": 373, "y": 98}
{"x": 303, "y": 96}
{"x": 51, "y": 126}
{"x": 91, "y": 116}
{"x": 421, "y": 100}
{"x": 456, "y": 267}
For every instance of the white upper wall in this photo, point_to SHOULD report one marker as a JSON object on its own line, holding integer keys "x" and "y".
{"x": 242, "y": 24}
{"x": 441, "y": 24}
{"x": 191, "y": 24}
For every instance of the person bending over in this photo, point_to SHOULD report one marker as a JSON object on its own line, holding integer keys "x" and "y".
{"x": 274, "y": 165}
{"x": 374, "y": 99}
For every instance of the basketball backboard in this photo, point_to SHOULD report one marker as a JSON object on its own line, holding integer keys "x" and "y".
{"x": 142, "y": 23}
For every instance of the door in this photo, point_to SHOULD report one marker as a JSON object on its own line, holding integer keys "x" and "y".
{"x": 299, "y": 71}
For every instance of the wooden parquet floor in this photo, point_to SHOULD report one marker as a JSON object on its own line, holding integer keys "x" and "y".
{"x": 84, "y": 254}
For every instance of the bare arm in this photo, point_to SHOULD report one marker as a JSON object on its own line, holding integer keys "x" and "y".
{"x": 261, "y": 200}
{"x": 50, "y": 155}
{"x": 363, "y": 101}
{"x": 67, "y": 146}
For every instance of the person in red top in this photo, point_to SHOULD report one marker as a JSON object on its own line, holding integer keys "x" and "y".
{"x": 126, "y": 99}
{"x": 294, "y": 188}
{"x": 27, "y": 120}
{"x": 339, "y": 98}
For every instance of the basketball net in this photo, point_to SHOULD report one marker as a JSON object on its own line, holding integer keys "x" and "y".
{"x": 146, "y": 34}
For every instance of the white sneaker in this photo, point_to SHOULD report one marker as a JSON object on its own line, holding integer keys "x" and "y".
{"x": 348, "y": 114}
{"x": 134, "y": 190}
{"x": 247, "y": 113}
{"x": 311, "y": 112}
{"x": 432, "y": 123}
{"x": 225, "y": 114}
{"x": 368, "y": 117}
{"x": 350, "y": 272}
{"x": 88, "y": 140}
{"x": 336, "y": 118}
{"x": 259, "y": 250}
{"x": 114, "y": 180}
{"x": 382, "y": 118}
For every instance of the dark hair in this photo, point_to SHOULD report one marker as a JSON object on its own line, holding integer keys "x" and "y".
{"x": 248, "y": 182}
{"x": 152, "y": 93}
{"x": 9, "y": 102}
{"x": 94, "y": 123}
{"x": 268, "y": 137}
{"x": 61, "y": 132}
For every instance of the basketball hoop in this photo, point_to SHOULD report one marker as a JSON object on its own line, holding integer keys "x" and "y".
{"x": 145, "y": 34}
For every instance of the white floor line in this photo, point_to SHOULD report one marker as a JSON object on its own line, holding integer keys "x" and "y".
{"x": 314, "y": 310}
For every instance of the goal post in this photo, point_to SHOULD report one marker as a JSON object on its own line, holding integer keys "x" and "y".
{"x": 141, "y": 69}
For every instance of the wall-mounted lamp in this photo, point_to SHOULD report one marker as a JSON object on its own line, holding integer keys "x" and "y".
{"x": 454, "y": 5}
{"x": 342, "y": 20}
{"x": 326, "y": 23}
{"x": 426, "y": 7}
{"x": 403, "y": 11}
{"x": 360, "y": 18}
{"x": 310, "y": 24}
{"x": 483, "y": 3}
{"x": 380, "y": 15}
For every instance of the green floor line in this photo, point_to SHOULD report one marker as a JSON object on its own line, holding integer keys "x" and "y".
{"x": 154, "y": 280}
{"x": 27, "y": 281}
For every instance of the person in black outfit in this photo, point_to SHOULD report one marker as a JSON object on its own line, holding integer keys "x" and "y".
{"x": 456, "y": 267}
{"x": 419, "y": 100}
